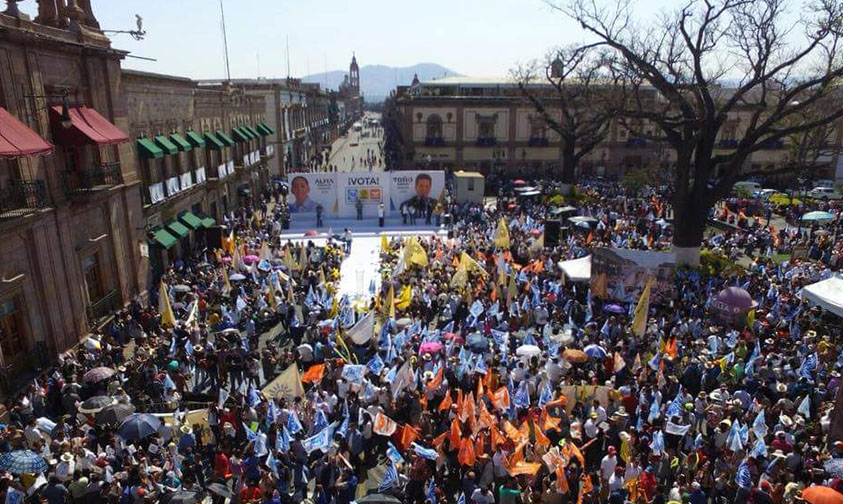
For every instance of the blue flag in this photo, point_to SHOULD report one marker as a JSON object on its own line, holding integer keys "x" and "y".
{"x": 744, "y": 477}
{"x": 293, "y": 423}
{"x": 389, "y": 478}
{"x": 426, "y": 453}
{"x": 393, "y": 454}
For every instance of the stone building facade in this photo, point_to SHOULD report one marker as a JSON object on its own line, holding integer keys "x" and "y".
{"x": 69, "y": 215}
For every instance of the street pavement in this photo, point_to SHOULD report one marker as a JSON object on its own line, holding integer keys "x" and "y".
{"x": 347, "y": 151}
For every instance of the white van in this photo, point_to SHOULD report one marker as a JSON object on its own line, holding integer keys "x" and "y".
{"x": 750, "y": 187}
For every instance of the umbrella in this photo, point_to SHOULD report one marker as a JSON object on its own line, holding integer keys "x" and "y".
{"x": 378, "y": 499}
{"x": 583, "y": 224}
{"x": 595, "y": 351}
{"x": 138, "y": 426}
{"x": 220, "y": 489}
{"x": 430, "y": 347}
{"x": 834, "y": 467}
{"x": 96, "y": 404}
{"x": 311, "y": 232}
{"x": 251, "y": 259}
{"x": 237, "y": 277}
{"x": 182, "y": 288}
{"x": 98, "y": 374}
{"x": 817, "y": 217}
{"x": 822, "y": 495}
{"x": 477, "y": 343}
{"x": 822, "y": 232}
{"x": 23, "y": 462}
{"x": 181, "y": 497}
{"x": 573, "y": 355}
{"x": 403, "y": 322}
{"x": 203, "y": 264}
{"x": 613, "y": 308}
{"x": 114, "y": 414}
{"x": 92, "y": 344}
{"x": 527, "y": 350}
{"x": 226, "y": 259}
{"x": 453, "y": 336}
{"x": 519, "y": 182}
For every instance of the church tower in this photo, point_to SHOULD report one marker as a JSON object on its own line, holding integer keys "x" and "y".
{"x": 354, "y": 76}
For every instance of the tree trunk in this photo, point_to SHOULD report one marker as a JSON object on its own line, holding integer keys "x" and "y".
{"x": 569, "y": 163}
{"x": 689, "y": 224}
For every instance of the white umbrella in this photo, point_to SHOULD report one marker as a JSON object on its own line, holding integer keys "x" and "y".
{"x": 527, "y": 350}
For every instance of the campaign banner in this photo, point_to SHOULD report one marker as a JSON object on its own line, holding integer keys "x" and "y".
{"x": 414, "y": 188}
{"x": 621, "y": 274}
{"x": 369, "y": 188}
{"x": 309, "y": 190}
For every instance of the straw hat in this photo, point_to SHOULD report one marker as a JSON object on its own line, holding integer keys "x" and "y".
{"x": 66, "y": 457}
{"x": 186, "y": 429}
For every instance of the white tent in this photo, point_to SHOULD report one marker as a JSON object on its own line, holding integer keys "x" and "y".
{"x": 578, "y": 270}
{"x": 827, "y": 294}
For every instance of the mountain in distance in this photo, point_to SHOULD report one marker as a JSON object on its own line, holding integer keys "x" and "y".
{"x": 377, "y": 81}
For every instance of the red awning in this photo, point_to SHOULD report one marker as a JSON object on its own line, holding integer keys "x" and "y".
{"x": 16, "y": 139}
{"x": 87, "y": 127}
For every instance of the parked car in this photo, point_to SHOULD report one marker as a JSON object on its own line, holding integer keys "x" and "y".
{"x": 824, "y": 193}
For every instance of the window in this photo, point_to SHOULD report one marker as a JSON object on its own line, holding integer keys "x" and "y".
{"x": 471, "y": 184}
{"x": 434, "y": 126}
{"x": 538, "y": 129}
{"x": 93, "y": 279}
{"x": 11, "y": 329}
{"x": 486, "y": 126}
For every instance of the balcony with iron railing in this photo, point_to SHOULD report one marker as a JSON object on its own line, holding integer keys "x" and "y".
{"x": 486, "y": 142}
{"x": 88, "y": 179}
{"x": 22, "y": 198}
{"x": 99, "y": 311}
{"x": 436, "y": 141}
{"x": 538, "y": 142}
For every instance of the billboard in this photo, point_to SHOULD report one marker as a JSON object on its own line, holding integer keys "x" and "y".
{"x": 416, "y": 188}
{"x": 369, "y": 188}
{"x": 621, "y": 274}
{"x": 308, "y": 190}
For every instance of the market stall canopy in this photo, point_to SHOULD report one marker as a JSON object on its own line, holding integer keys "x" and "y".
{"x": 16, "y": 139}
{"x": 578, "y": 270}
{"x": 827, "y": 294}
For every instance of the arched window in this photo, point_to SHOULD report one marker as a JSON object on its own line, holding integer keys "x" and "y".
{"x": 434, "y": 126}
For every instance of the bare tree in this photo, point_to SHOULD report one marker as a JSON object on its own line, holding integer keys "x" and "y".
{"x": 782, "y": 82}
{"x": 574, "y": 95}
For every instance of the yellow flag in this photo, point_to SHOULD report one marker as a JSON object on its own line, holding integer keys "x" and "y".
{"x": 225, "y": 279}
{"x": 598, "y": 286}
{"x": 468, "y": 262}
{"x": 287, "y": 385}
{"x": 626, "y": 451}
{"x": 404, "y": 298}
{"x": 390, "y": 302}
{"x": 384, "y": 244}
{"x": 321, "y": 276}
{"x": 501, "y": 238}
{"x": 290, "y": 297}
{"x": 750, "y": 319}
{"x": 164, "y": 308}
{"x": 460, "y": 278}
{"x": 511, "y": 290}
{"x": 639, "y": 320}
{"x": 271, "y": 295}
{"x": 289, "y": 262}
{"x": 302, "y": 259}
{"x": 416, "y": 253}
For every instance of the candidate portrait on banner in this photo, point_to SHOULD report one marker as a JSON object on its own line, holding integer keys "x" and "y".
{"x": 422, "y": 187}
{"x": 301, "y": 203}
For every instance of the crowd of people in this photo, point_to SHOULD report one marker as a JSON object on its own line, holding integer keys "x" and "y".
{"x": 475, "y": 372}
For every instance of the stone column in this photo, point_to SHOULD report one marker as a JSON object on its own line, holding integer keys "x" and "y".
{"x": 48, "y": 13}
{"x": 89, "y": 19}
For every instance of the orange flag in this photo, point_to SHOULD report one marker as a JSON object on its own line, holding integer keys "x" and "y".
{"x": 384, "y": 425}
{"x": 446, "y": 402}
{"x": 480, "y": 390}
{"x": 437, "y": 380}
{"x": 456, "y": 262}
{"x": 467, "y": 407}
{"x": 521, "y": 467}
{"x": 408, "y": 435}
{"x": 484, "y": 418}
{"x": 459, "y": 402}
{"x": 551, "y": 423}
{"x": 575, "y": 451}
{"x": 479, "y": 444}
{"x": 456, "y": 434}
{"x": 562, "y": 480}
{"x": 541, "y": 439}
{"x": 314, "y": 374}
{"x": 670, "y": 349}
{"x": 589, "y": 239}
{"x": 517, "y": 454}
{"x": 511, "y": 432}
{"x": 500, "y": 399}
{"x": 560, "y": 401}
{"x": 466, "y": 454}
{"x": 497, "y": 438}
{"x": 524, "y": 430}
{"x": 439, "y": 440}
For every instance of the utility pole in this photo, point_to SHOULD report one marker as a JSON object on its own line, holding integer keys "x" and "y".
{"x": 288, "y": 56}
{"x": 225, "y": 44}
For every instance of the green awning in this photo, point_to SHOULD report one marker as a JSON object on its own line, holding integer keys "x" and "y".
{"x": 209, "y": 222}
{"x": 148, "y": 150}
{"x": 213, "y": 141}
{"x": 191, "y": 221}
{"x": 164, "y": 238}
{"x": 177, "y": 229}
{"x": 166, "y": 145}
{"x": 252, "y": 130}
{"x": 194, "y": 138}
{"x": 225, "y": 138}
{"x": 265, "y": 130}
{"x": 180, "y": 142}
{"x": 240, "y": 135}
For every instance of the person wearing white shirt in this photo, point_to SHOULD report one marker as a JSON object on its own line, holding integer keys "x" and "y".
{"x": 607, "y": 470}
{"x": 65, "y": 467}
{"x": 616, "y": 480}
{"x": 590, "y": 426}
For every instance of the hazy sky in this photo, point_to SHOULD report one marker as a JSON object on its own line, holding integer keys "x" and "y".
{"x": 472, "y": 37}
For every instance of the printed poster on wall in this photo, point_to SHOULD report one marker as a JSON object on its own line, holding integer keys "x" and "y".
{"x": 369, "y": 188}
{"x": 416, "y": 188}
{"x": 308, "y": 190}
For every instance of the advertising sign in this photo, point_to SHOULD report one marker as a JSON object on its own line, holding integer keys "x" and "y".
{"x": 307, "y": 190}
{"x": 416, "y": 188}
{"x": 369, "y": 188}
{"x": 621, "y": 274}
